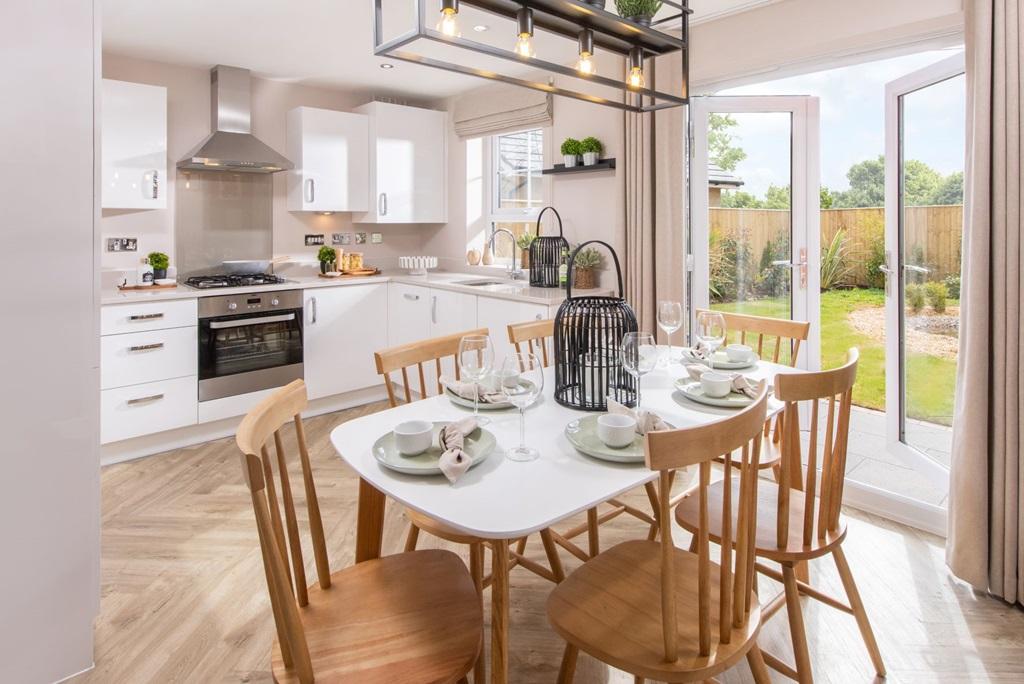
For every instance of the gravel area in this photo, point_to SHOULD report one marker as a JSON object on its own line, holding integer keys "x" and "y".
{"x": 932, "y": 334}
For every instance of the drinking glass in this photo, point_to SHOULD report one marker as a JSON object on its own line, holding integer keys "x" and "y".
{"x": 670, "y": 319}
{"x": 639, "y": 356}
{"x": 522, "y": 378}
{"x": 711, "y": 331}
{"x": 476, "y": 358}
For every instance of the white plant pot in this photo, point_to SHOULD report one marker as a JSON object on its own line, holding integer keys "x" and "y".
{"x": 590, "y": 158}
{"x": 570, "y": 160}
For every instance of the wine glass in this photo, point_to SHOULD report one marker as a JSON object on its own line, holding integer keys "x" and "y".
{"x": 670, "y": 319}
{"x": 476, "y": 358}
{"x": 522, "y": 380}
{"x": 711, "y": 332}
{"x": 639, "y": 356}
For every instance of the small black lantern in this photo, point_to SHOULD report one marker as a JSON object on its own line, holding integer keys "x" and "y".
{"x": 546, "y": 254}
{"x": 588, "y": 344}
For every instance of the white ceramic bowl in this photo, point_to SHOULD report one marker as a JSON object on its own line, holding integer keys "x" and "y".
{"x": 165, "y": 281}
{"x": 616, "y": 430}
{"x": 413, "y": 437}
{"x": 739, "y": 353}
{"x": 716, "y": 385}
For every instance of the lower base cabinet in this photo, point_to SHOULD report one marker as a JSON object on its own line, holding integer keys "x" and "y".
{"x": 137, "y": 410}
{"x": 344, "y": 326}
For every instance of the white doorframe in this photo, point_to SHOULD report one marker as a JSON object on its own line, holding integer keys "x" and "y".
{"x": 894, "y": 268}
{"x": 804, "y": 200}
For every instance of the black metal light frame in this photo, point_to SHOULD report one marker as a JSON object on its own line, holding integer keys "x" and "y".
{"x": 567, "y": 18}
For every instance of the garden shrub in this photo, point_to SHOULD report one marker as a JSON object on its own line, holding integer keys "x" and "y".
{"x": 952, "y": 283}
{"x": 914, "y": 296}
{"x": 876, "y": 258}
{"x": 935, "y": 293}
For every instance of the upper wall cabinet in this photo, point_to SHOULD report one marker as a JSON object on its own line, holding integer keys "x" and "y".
{"x": 330, "y": 151}
{"x": 407, "y": 165}
{"x": 134, "y": 146}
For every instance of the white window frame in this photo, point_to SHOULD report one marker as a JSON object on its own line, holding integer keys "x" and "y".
{"x": 494, "y": 214}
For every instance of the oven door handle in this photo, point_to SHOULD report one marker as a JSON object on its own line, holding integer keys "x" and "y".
{"x": 218, "y": 325}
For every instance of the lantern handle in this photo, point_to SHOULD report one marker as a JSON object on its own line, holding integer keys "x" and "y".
{"x": 572, "y": 264}
{"x": 557, "y": 215}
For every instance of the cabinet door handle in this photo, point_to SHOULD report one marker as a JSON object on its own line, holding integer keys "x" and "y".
{"x": 382, "y": 204}
{"x": 155, "y": 187}
{"x": 433, "y": 310}
{"x": 312, "y": 301}
{"x": 144, "y": 400}
{"x": 145, "y": 317}
{"x": 146, "y": 347}
{"x": 310, "y": 190}
{"x": 411, "y": 297}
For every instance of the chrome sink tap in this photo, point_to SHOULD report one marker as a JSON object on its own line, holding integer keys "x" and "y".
{"x": 513, "y": 272}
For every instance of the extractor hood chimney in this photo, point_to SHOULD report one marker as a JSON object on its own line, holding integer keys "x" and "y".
{"x": 231, "y": 146}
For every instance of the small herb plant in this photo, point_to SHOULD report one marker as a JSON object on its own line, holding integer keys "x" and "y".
{"x": 591, "y": 144}
{"x": 158, "y": 260}
{"x": 572, "y": 147}
{"x": 637, "y": 8}
{"x": 326, "y": 255}
{"x": 589, "y": 259}
{"x": 525, "y": 240}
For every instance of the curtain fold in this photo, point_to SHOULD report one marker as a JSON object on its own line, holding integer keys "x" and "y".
{"x": 639, "y": 253}
{"x": 985, "y": 545}
{"x": 500, "y": 109}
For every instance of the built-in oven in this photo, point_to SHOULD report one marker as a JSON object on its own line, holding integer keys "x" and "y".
{"x": 249, "y": 342}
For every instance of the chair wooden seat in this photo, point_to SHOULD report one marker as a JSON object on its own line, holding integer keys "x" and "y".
{"x": 439, "y": 529}
{"x": 402, "y": 618}
{"x": 628, "y": 578}
{"x": 765, "y": 542}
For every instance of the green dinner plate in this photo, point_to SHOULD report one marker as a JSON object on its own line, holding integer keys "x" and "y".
{"x": 479, "y": 445}
{"x": 484, "y": 406}
{"x": 582, "y": 434}
{"x": 692, "y": 390}
{"x": 721, "y": 359}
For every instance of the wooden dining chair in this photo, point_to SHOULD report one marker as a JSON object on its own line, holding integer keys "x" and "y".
{"x": 799, "y": 519}
{"x": 657, "y": 611}
{"x": 403, "y": 618}
{"x": 535, "y": 337}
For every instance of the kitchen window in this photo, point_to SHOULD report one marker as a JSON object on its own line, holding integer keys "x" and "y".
{"x": 517, "y": 187}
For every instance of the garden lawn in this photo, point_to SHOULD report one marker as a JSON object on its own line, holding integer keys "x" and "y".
{"x": 931, "y": 379}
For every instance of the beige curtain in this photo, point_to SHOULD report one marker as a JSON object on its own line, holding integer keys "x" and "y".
{"x": 986, "y": 519}
{"x": 638, "y": 269}
{"x": 500, "y": 109}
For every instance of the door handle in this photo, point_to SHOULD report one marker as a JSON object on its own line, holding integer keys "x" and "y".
{"x": 146, "y": 347}
{"x": 155, "y": 187}
{"x": 382, "y": 204}
{"x": 433, "y": 310}
{"x": 801, "y": 264}
{"x": 312, "y": 302}
{"x": 411, "y": 297}
{"x": 144, "y": 400}
{"x": 145, "y": 317}
{"x": 917, "y": 269}
{"x": 310, "y": 191}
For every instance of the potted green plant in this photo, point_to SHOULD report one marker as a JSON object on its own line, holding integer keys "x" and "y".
{"x": 523, "y": 242}
{"x": 326, "y": 256}
{"x": 159, "y": 261}
{"x": 571, "y": 151}
{"x": 638, "y": 11}
{"x": 585, "y": 267}
{"x": 592, "y": 148}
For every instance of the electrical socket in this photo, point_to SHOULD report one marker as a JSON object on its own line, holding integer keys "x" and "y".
{"x": 335, "y": 238}
{"x": 376, "y": 238}
{"x": 314, "y": 240}
{"x": 122, "y": 244}
{"x": 346, "y": 238}
{"x": 360, "y": 238}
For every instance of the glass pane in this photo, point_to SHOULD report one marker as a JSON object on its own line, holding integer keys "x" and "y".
{"x": 749, "y": 215}
{"x": 931, "y": 231}
{"x": 519, "y": 159}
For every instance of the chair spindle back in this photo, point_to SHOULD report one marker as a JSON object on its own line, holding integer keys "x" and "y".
{"x": 671, "y": 449}
{"x": 404, "y": 357}
{"x": 537, "y": 335}
{"x": 788, "y": 334}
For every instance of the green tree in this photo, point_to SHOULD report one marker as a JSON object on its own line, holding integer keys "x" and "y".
{"x": 737, "y": 199}
{"x": 827, "y": 198}
{"x": 950, "y": 190}
{"x": 721, "y": 148}
{"x": 920, "y": 183}
{"x": 776, "y": 197}
{"x": 867, "y": 185}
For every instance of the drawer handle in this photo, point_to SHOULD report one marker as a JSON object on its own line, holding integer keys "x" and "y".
{"x": 411, "y": 297}
{"x": 144, "y": 400}
{"x": 145, "y": 317}
{"x": 146, "y": 347}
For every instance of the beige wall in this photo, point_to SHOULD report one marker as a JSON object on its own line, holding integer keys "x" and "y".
{"x": 188, "y": 122}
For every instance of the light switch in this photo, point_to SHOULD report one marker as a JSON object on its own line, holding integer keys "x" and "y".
{"x": 315, "y": 240}
{"x": 376, "y": 238}
{"x": 360, "y": 238}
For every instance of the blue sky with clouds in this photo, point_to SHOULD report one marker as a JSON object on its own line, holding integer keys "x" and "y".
{"x": 852, "y": 103}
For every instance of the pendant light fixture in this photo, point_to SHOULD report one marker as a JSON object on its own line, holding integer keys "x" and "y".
{"x": 585, "y": 64}
{"x": 635, "y": 77}
{"x": 524, "y": 26}
{"x": 449, "y": 24}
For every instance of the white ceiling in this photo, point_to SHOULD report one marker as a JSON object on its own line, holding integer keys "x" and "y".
{"x": 318, "y": 42}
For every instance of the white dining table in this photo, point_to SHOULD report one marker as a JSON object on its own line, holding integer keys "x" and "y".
{"x": 503, "y": 500}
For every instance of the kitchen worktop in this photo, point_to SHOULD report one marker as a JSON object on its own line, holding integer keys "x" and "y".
{"x": 515, "y": 290}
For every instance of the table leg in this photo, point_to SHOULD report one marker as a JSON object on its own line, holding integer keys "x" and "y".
{"x": 370, "y": 526}
{"x": 499, "y": 612}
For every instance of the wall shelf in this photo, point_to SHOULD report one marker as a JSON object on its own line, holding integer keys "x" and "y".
{"x": 601, "y": 165}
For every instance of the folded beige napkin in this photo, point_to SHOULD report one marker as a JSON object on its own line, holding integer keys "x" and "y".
{"x": 739, "y": 382}
{"x": 699, "y": 351}
{"x": 488, "y": 389}
{"x": 646, "y": 421}
{"x": 454, "y": 462}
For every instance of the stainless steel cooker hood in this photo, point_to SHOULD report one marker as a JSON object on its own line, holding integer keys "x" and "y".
{"x": 232, "y": 146}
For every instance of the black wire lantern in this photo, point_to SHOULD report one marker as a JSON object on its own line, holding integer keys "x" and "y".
{"x": 588, "y": 343}
{"x": 546, "y": 254}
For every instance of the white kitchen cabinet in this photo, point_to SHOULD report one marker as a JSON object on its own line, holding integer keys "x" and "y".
{"x": 330, "y": 151}
{"x": 408, "y": 167}
{"x": 408, "y": 313}
{"x": 344, "y": 326}
{"x": 134, "y": 152}
{"x": 135, "y": 358}
{"x": 451, "y": 312}
{"x": 137, "y": 410}
{"x": 498, "y": 314}
{"x": 141, "y": 316}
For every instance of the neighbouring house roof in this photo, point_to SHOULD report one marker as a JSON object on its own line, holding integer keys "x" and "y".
{"x": 717, "y": 178}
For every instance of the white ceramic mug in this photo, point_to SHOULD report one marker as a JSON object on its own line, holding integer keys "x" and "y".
{"x": 413, "y": 437}
{"x": 616, "y": 430}
{"x": 715, "y": 385}
{"x": 739, "y": 353}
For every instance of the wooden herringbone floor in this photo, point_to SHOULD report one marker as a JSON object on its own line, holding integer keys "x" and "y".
{"x": 184, "y": 597}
